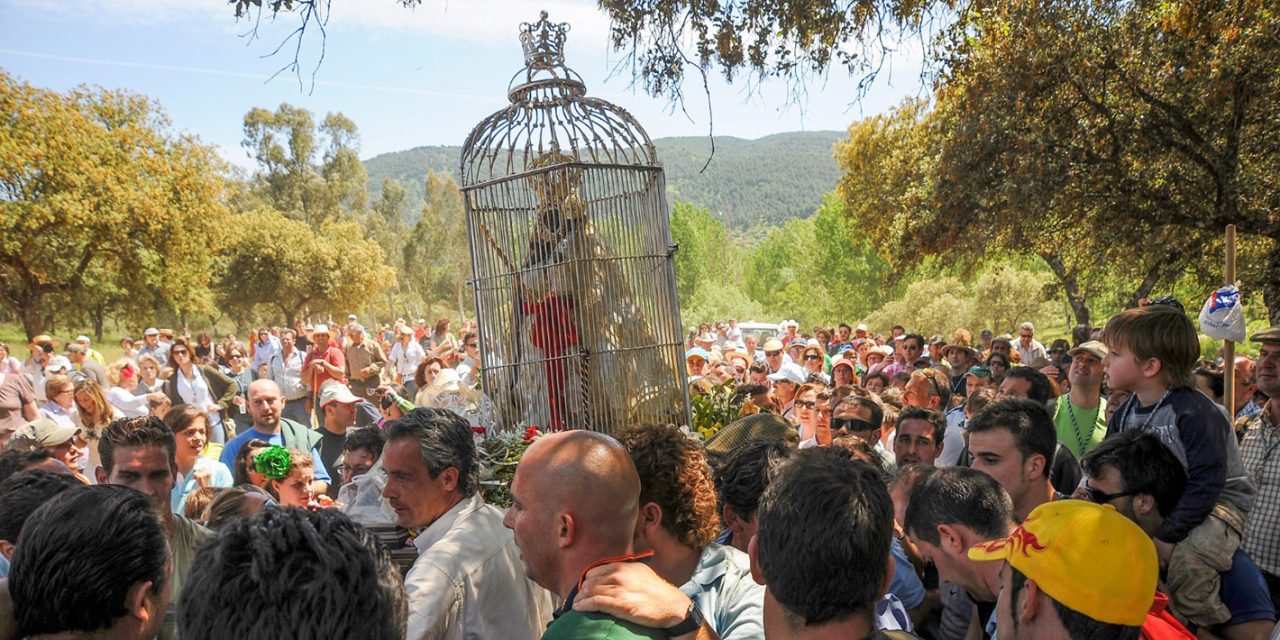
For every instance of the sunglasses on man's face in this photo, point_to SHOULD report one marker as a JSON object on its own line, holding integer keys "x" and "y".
{"x": 772, "y": 354}
{"x": 805, "y": 404}
{"x": 852, "y": 425}
{"x": 1101, "y": 497}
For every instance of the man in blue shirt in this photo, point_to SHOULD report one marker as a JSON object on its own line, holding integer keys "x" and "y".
{"x": 1143, "y": 479}
{"x": 266, "y": 403}
{"x": 154, "y": 347}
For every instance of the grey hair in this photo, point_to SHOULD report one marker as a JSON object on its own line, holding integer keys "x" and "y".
{"x": 444, "y": 440}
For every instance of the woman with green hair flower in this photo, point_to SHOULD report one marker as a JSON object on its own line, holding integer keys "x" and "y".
{"x": 289, "y": 474}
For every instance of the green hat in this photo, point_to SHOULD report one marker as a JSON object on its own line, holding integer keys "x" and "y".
{"x": 1270, "y": 334}
{"x": 979, "y": 370}
{"x": 40, "y": 433}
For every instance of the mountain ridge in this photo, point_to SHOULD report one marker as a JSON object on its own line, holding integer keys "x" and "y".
{"x": 749, "y": 182}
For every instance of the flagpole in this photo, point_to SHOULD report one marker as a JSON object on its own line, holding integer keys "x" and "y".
{"x": 1229, "y": 347}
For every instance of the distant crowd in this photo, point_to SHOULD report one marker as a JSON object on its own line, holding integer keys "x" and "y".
{"x": 328, "y": 481}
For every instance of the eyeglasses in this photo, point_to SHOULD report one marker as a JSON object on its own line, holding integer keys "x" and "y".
{"x": 850, "y": 424}
{"x": 813, "y": 357}
{"x": 805, "y": 404}
{"x": 772, "y": 354}
{"x": 929, "y": 373}
{"x": 180, "y": 352}
{"x": 356, "y": 470}
{"x": 1103, "y": 498}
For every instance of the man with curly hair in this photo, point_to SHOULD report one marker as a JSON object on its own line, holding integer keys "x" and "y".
{"x": 678, "y": 522}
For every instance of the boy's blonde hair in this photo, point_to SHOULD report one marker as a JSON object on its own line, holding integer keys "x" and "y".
{"x": 1161, "y": 332}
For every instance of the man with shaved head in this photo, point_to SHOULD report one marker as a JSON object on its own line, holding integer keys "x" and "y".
{"x": 266, "y": 408}
{"x": 574, "y": 503}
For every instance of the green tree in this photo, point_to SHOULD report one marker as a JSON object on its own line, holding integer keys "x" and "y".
{"x": 1151, "y": 121}
{"x": 95, "y": 189}
{"x": 1000, "y": 298}
{"x": 700, "y": 240}
{"x": 437, "y": 258}
{"x": 309, "y": 173}
{"x": 959, "y": 183}
{"x": 294, "y": 269}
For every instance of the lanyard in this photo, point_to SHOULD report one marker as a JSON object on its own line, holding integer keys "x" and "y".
{"x": 1071, "y": 413}
{"x": 1133, "y": 408}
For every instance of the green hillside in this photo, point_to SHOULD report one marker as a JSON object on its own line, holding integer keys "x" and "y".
{"x": 749, "y": 183}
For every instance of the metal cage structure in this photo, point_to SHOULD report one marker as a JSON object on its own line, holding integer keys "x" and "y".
{"x": 572, "y": 261}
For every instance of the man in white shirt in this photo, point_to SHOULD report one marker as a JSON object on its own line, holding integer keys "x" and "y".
{"x": 1029, "y": 349}
{"x": 285, "y": 368}
{"x": 406, "y": 355}
{"x": 154, "y": 347}
{"x": 468, "y": 581}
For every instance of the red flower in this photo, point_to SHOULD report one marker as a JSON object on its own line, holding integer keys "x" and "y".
{"x": 530, "y": 434}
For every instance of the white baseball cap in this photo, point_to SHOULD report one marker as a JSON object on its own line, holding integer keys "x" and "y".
{"x": 58, "y": 364}
{"x": 337, "y": 392}
{"x": 321, "y": 328}
{"x": 790, "y": 373}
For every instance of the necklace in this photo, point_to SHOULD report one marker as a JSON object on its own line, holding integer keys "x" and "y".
{"x": 1133, "y": 408}
{"x": 1071, "y": 413}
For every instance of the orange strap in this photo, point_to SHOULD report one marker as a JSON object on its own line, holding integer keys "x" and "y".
{"x": 603, "y": 561}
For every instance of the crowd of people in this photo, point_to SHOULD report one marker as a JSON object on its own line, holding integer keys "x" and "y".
{"x": 874, "y": 487}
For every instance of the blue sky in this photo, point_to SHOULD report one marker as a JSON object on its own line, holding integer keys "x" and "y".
{"x": 407, "y": 77}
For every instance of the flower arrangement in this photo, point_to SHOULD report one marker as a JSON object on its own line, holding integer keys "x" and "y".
{"x": 499, "y": 455}
{"x": 718, "y": 406}
{"x": 273, "y": 462}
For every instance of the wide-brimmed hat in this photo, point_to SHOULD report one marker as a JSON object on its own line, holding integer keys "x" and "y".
{"x": 973, "y": 353}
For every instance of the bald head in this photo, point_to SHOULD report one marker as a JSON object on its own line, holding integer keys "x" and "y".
{"x": 266, "y": 402}
{"x": 575, "y": 499}
{"x": 589, "y": 475}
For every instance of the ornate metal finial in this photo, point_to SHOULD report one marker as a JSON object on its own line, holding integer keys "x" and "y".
{"x": 543, "y": 43}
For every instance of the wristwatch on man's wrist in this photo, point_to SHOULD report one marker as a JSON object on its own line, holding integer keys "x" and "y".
{"x": 692, "y": 622}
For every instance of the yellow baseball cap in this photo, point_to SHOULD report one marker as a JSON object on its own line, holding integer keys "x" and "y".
{"x": 1090, "y": 558}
